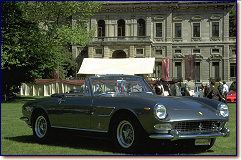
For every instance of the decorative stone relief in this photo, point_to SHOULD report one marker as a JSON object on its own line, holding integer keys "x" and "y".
{"x": 177, "y": 39}
{"x": 177, "y": 18}
{"x": 215, "y": 56}
{"x": 215, "y": 39}
{"x": 178, "y": 55}
{"x": 196, "y": 39}
{"x": 158, "y": 18}
{"x": 196, "y": 18}
{"x": 199, "y": 56}
{"x": 215, "y": 17}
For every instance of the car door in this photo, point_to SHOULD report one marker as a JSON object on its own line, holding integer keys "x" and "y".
{"x": 73, "y": 111}
{"x": 102, "y": 109}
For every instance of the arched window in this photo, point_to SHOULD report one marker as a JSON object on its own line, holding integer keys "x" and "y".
{"x": 101, "y": 28}
{"x": 121, "y": 27}
{"x": 141, "y": 27}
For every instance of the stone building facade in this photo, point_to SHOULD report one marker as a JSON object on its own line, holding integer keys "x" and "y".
{"x": 164, "y": 29}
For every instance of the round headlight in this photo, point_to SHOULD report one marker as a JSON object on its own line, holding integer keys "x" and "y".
{"x": 160, "y": 111}
{"x": 223, "y": 110}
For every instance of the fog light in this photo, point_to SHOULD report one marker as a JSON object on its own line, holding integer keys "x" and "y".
{"x": 165, "y": 126}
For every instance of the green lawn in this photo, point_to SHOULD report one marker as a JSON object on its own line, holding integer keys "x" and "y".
{"x": 16, "y": 139}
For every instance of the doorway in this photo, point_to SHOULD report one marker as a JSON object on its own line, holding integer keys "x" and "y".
{"x": 119, "y": 54}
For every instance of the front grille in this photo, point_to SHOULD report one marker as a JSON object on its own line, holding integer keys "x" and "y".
{"x": 200, "y": 127}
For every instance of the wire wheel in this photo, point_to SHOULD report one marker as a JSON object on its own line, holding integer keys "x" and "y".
{"x": 41, "y": 126}
{"x": 125, "y": 134}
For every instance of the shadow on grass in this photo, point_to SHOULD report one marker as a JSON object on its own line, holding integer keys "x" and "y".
{"x": 105, "y": 145}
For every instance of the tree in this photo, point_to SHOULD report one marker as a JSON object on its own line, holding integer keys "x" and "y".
{"x": 23, "y": 55}
{"x": 36, "y": 38}
{"x": 56, "y": 18}
{"x": 65, "y": 24}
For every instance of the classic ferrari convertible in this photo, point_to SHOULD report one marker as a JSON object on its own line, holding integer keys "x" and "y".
{"x": 128, "y": 111}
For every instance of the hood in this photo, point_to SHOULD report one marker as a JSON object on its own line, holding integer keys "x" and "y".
{"x": 181, "y": 108}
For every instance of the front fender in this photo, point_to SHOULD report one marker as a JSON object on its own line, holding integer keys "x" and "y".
{"x": 144, "y": 117}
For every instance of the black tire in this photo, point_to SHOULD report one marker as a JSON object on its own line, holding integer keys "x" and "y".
{"x": 127, "y": 134}
{"x": 41, "y": 127}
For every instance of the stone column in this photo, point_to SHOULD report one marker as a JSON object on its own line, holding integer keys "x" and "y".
{"x": 111, "y": 30}
{"x": 169, "y": 27}
{"x": 106, "y": 52}
{"x": 226, "y": 66}
{"x": 93, "y": 25}
{"x": 91, "y": 52}
{"x": 168, "y": 54}
{"x": 148, "y": 26}
{"x": 115, "y": 29}
{"x": 132, "y": 51}
{"x": 127, "y": 28}
{"x": 172, "y": 70}
{"x": 147, "y": 51}
{"x": 106, "y": 28}
{"x": 183, "y": 68}
{"x": 220, "y": 69}
{"x": 134, "y": 27}
{"x": 205, "y": 69}
{"x": 226, "y": 27}
{"x": 201, "y": 75}
{"x": 210, "y": 69}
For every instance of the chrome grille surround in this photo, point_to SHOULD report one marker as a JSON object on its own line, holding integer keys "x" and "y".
{"x": 198, "y": 127}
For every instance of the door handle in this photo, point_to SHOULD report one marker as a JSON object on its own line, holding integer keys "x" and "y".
{"x": 61, "y": 100}
{"x": 92, "y": 111}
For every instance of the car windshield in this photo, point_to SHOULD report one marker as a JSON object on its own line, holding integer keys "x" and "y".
{"x": 119, "y": 86}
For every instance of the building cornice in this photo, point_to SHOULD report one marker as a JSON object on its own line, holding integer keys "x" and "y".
{"x": 110, "y": 6}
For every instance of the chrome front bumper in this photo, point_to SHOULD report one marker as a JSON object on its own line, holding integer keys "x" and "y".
{"x": 175, "y": 135}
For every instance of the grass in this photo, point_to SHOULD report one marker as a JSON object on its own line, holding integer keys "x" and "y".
{"x": 16, "y": 139}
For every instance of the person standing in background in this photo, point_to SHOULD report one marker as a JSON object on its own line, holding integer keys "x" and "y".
{"x": 213, "y": 92}
{"x": 205, "y": 89}
{"x": 157, "y": 88}
{"x": 174, "y": 88}
{"x": 225, "y": 91}
{"x": 165, "y": 89}
{"x": 220, "y": 89}
{"x": 190, "y": 87}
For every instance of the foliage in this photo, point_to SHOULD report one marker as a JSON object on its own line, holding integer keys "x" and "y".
{"x": 23, "y": 49}
{"x": 37, "y": 38}
{"x": 56, "y": 18}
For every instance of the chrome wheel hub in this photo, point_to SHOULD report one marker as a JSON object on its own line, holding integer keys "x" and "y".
{"x": 125, "y": 134}
{"x": 40, "y": 126}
